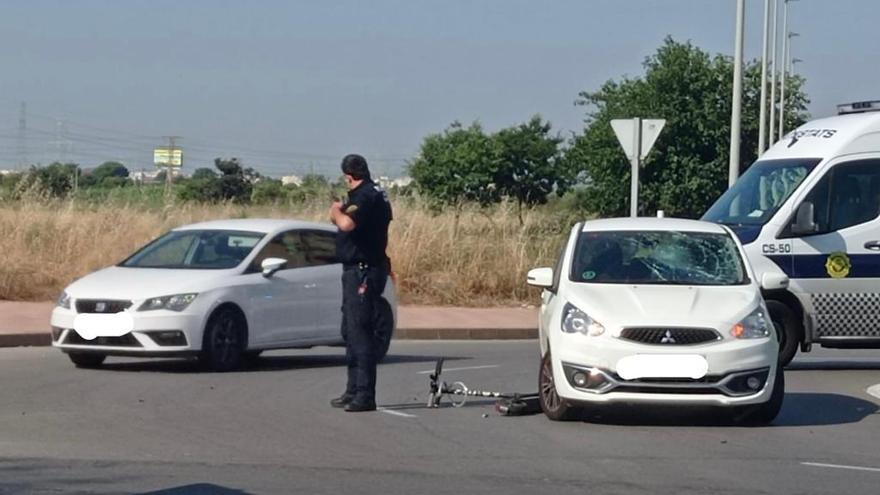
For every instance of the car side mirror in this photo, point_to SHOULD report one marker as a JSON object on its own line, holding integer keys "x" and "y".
{"x": 272, "y": 265}
{"x": 540, "y": 277}
{"x": 774, "y": 281}
{"x": 804, "y": 220}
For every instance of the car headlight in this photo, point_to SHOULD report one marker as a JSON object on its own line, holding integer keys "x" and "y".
{"x": 64, "y": 300}
{"x": 576, "y": 321}
{"x": 177, "y": 302}
{"x": 754, "y": 326}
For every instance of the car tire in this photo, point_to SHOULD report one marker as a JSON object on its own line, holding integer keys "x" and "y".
{"x": 764, "y": 413}
{"x": 554, "y": 407}
{"x": 87, "y": 359}
{"x": 224, "y": 341}
{"x": 788, "y": 330}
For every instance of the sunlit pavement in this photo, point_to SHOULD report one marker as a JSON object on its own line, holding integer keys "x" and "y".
{"x": 162, "y": 426}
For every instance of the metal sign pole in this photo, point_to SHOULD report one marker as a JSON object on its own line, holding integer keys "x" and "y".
{"x": 636, "y": 158}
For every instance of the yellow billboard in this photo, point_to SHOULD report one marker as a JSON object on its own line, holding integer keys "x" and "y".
{"x": 165, "y": 157}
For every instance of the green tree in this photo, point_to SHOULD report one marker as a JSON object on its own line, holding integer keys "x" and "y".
{"x": 235, "y": 183}
{"x": 529, "y": 167}
{"x": 687, "y": 169}
{"x": 108, "y": 174}
{"x": 268, "y": 191}
{"x": 460, "y": 164}
{"x": 56, "y": 179}
{"x": 204, "y": 173}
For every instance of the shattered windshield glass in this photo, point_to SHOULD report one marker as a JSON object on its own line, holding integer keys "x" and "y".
{"x": 657, "y": 257}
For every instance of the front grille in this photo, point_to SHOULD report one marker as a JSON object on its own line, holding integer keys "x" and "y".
{"x": 670, "y": 336}
{"x": 127, "y": 340}
{"x": 667, "y": 390}
{"x": 101, "y": 306}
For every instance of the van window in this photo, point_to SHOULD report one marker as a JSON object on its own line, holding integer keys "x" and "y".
{"x": 849, "y": 194}
{"x": 758, "y": 194}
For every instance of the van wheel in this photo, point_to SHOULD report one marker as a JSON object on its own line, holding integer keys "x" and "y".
{"x": 87, "y": 359}
{"x": 788, "y": 330}
{"x": 224, "y": 341}
{"x": 763, "y": 414}
{"x": 554, "y": 406}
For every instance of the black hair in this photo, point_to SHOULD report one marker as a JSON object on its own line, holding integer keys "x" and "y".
{"x": 355, "y": 166}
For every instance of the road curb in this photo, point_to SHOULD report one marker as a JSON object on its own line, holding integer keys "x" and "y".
{"x": 36, "y": 339}
{"x": 32, "y": 339}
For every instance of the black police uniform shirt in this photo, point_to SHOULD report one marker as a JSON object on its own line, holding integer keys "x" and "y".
{"x": 369, "y": 208}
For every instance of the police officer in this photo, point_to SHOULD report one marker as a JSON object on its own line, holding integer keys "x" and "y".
{"x": 363, "y": 236}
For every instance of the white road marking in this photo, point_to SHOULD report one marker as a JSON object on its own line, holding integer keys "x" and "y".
{"x": 396, "y": 413}
{"x": 874, "y": 390}
{"x": 462, "y": 369}
{"x": 841, "y": 466}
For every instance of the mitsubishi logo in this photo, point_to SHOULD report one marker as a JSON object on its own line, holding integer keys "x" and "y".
{"x": 668, "y": 338}
{"x": 102, "y": 306}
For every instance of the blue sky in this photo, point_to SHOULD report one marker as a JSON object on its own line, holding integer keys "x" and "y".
{"x": 292, "y": 86}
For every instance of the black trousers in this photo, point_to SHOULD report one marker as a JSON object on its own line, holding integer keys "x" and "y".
{"x": 361, "y": 288}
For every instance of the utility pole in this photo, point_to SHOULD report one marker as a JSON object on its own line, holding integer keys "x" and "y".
{"x": 762, "y": 122}
{"x": 736, "y": 111}
{"x": 786, "y": 36}
{"x": 772, "y": 124}
{"x": 169, "y": 163}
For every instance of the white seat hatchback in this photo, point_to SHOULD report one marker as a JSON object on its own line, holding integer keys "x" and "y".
{"x": 655, "y": 310}
{"x": 222, "y": 290}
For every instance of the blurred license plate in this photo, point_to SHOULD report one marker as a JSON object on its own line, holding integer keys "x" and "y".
{"x": 662, "y": 366}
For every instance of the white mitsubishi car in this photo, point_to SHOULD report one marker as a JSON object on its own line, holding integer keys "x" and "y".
{"x": 222, "y": 290}
{"x": 655, "y": 310}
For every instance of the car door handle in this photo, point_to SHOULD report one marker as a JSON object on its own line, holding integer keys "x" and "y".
{"x": 309, "y": 286}
{"x": 873, "y": 245}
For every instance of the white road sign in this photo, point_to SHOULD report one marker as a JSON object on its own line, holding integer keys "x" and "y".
{"x": 624, "y": 130}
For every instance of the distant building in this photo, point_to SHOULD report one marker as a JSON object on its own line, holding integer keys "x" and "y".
{"x": 389, "y": 183}
{"x": 150, "y": 176}
{"x": 291, "y": 179}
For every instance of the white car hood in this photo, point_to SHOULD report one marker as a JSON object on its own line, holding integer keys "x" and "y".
{"x": 141, "y": 283}
{"x": 619, "y": 305}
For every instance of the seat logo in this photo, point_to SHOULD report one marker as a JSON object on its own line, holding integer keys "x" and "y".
{"x": 668, "y": 338}
{"x": 100, "y": 307}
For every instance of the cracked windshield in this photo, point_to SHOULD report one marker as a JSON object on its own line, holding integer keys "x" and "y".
{"x": 673, "y": 258}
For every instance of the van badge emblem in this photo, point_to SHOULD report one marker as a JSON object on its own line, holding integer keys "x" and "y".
{"x": 100, "y": 307}
{"x": 668, "y": 338}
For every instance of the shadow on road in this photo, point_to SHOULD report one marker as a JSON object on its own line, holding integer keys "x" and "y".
{"x": 798, "y": 409}
{"x": 197, "y": 489}
{"x": 832, "y": 364}
{"x": 262, "y": 364}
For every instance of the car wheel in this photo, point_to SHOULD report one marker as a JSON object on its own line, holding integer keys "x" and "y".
{"x": 223, "y": 343}
{"x": 87, "y": 359}
{"x": 554, "y": 406}
{"x": 383, "y": 319}
{"x": 765, "y": 413}
{"x": 788, "y": 330}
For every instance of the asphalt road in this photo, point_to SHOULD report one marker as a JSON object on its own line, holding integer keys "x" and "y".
{"x": 164, "y": 427}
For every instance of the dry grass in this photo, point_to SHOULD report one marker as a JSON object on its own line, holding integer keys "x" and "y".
{"x": 479, "y": 260}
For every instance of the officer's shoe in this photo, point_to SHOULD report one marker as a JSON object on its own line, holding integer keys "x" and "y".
{"x": 342, "y": 401}
{"x": 357, "y": 405}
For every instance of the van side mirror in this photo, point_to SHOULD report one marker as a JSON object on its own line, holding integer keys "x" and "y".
{"x": 272, "y": 265}
{"x": 540, "y": 277}
{"x": 804, "y": 220}
{"x": 774, "y": 281}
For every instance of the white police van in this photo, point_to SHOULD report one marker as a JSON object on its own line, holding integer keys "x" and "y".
{"x": 810, "y": 208}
